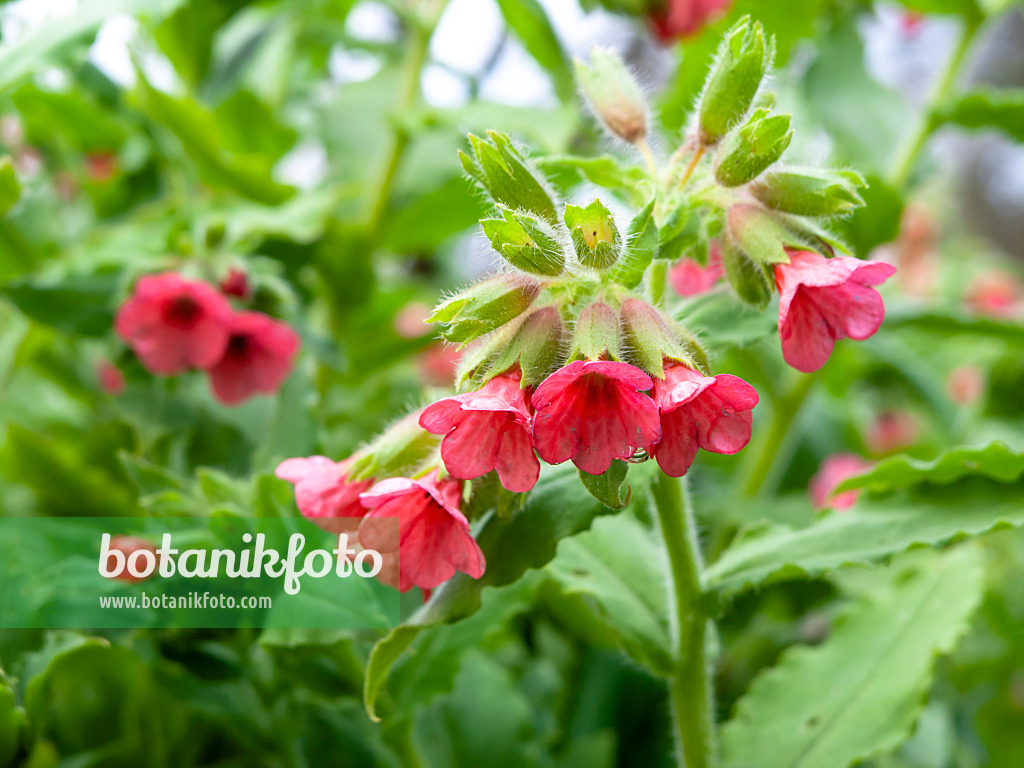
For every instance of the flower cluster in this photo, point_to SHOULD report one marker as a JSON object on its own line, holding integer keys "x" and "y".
{"x": 174, "y": 324}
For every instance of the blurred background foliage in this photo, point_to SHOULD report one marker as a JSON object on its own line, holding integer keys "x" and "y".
{"x": 312, "y": 144}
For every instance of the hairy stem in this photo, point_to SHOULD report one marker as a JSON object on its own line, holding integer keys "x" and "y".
{"x": 689, "y": 684}
{"x": 910, "y": 149}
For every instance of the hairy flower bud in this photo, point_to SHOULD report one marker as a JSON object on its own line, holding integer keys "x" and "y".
{"x": 594, "y": 235}
{"x": 596, "y": 336}
{"x": 401, "y": 449}
{"x": 613, "y": 94}
{"x": 740, "y": 65}
{"x": 749, "y": 151}
{"x": 650, "y": 338}
{"x": 810, "y": 191}
{"x": 507, "y": 177}
{"x": 536, "y": 347}
{"x": 526, "y": 242}
{"x": 485, "y": 306}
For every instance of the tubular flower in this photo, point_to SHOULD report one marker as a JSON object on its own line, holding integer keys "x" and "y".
{"x": 174, "y": 324}
{"x": 709, "y": 412}
{"x": 435, "y": 540}
{"x": 683, "y": 18}
{"x": 594, "y": 412}
{"x": 257, "y": 359}
{"x": 822, "y": 300}
{"x": 322, "y": 487}
{"x": 834, "y": 470}
{"x": 485, "y": 430}
{"x": 691, "y": 279}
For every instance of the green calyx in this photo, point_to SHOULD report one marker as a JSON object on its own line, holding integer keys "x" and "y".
{"x": 595, "y": 237}
{"x": 484, "y": 307}
{"x": 749, "y": 151}
{"x": 811, "y": 191}
{"x": 507, "y": 177}
{"x": 613, "y": 94}
{"x": 526, "y": 242}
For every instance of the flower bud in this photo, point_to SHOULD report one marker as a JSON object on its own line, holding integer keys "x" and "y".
{"x": 810, "y": 191}
{"x": 758, "y": 234}
{"x": 751, "y": 279}
{"x": 526, "y": 242}
{"x": 506, "y": 176}
{"x": 484, "y": 307}
{"x": 399, "y": 450}
{"x": 536, "y": 347}
{"x": 596, "y": 336}
{"x": 650, "y": 338}
{"x": 613, "y": 94}
{"x": 594, "y": 235}
{"x": 749, "y": 151}
{"x": 740, "y": 65}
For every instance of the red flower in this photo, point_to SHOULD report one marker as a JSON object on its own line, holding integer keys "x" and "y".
{"x": 966, "y": 384}
{"x": 257, "y": 359}
{"x": 822, "y": 300}
{"x": 174, "y": 324}
{"x": 128, "y": 545}
{"x": 594, "y": 412}
{"x": 322, "y": 487}
{"x": 100, "y": 166}
{"x": 834, "y": 470}
{"x": 891, "y": 431}
{"x": 995, "y": 294}
{"x": 236, "y": 283}
{"x": 709, "y": 412}
{"x": 683, "y": 18}
{"x": 435, "y": 539}
{"x": 485, "y": 430}
{"x": 438, "y": 363}
{"x": 111, "y": 378}
{"x": 690, "y": 279}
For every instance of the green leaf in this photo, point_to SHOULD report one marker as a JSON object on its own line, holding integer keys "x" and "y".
{"x": 10, "y": 187}
{"x": 605, "y": 171}
{"x": 991, "y": 108}
{"x": 872, "y": 531}
{"x": 877, "y": 222}
{"x": 996, "y": 461}
{"x": 954, "y": 325}
{"x": 12, "y": 722}
{"x": 531, "y": 25}
{"x": 607, "y": 488}
{"x": 626, "y": 593}
{"x": 641, "y": 245}
{"x": 77, "y": 304}
{"x": 859, "y": 693}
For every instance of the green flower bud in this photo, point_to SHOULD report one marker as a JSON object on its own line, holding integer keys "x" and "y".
{"x": 594, "y": 235}
{"x": 485, "y": 307}
{"x": 740, "y": 65}
{"x": 507, "y": 177}
{"x": 810, "y": 191}
{"x": 536, "y": 347}
{"x": 613, "y": 94}
{"x": 649, "y": 338}
{"x": 751, "y": 279}
{"x": 526, "y": 242}
{"x": 399, "y": 450}
{"x": 596, "y": 336}
{"x": 749, "y": 151}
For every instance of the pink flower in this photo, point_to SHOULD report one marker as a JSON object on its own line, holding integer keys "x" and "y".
{"x": 684, "y": 18}
{"x": 174, "y": 324}
{"x": 995, "y": 294}
{"x": 111, "y": 378}
{"x": 437, "y": 364}
{"x": 965, "y": 384}
{"x": 236, "y": 283}
{"x": 822, "y": 300}
{"x": 257, "y": 359}
{"x": 322, "y": 487}
{"x": 890, "y": 431}
{"x": 709, "y": 412}
{"x": 690, "y": 279}
{"x": 834, "y": 470}
{"x": 435, "y": 539}
{"x": 485, "y": 430}
{"x": 594, "y": 412}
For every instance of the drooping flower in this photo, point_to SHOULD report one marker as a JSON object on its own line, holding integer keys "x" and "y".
{"x": 110, "y": 377}
{"x": 485, "y": 430}
{"x": 435, "y": 538}
{"x": 322, "y": 487}
{"x": 834, "y": 470}
{"x": 174, "y": 324}
{"x": 823, "y": 300}
{"x": 594, "y": 412}
{"x": 257, "y": 359}
{"x": 683, "y": 18}
{"x": 236, "y": 283}
{"x": 691, "y": 279}
{"x": 709, "y": 412}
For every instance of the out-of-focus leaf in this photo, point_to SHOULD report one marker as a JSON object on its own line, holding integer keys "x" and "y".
{"x": 968, "y": 8}
{"x": 12, "y": 721}
{"x": 864, "y": 118}
{"x": 10, "y": 188}
{"x": 1002, "y": 110}
{"x": 530, "y": 23}
{"x": 721, "y": 322}
{"x": 202, "y": 138}
{"x": 86, "y": 126}
{"x": 860, "y": 692}
{"x": 871, "y": 531}
{"x": 876, "y": 222}
{"x": 618, "y": 569}
{"x": 955, "y": 325}
{"x": 46, "y": 41}
{"x": 76, "y": 304}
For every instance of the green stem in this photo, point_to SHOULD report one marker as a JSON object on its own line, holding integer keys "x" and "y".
{"x": 770, "y": 445}
{"x": 690, "y": 691}
{"x": 910, "y": 149}
{"x": 656, "y": 280}
{"x": 408, "y": 95}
